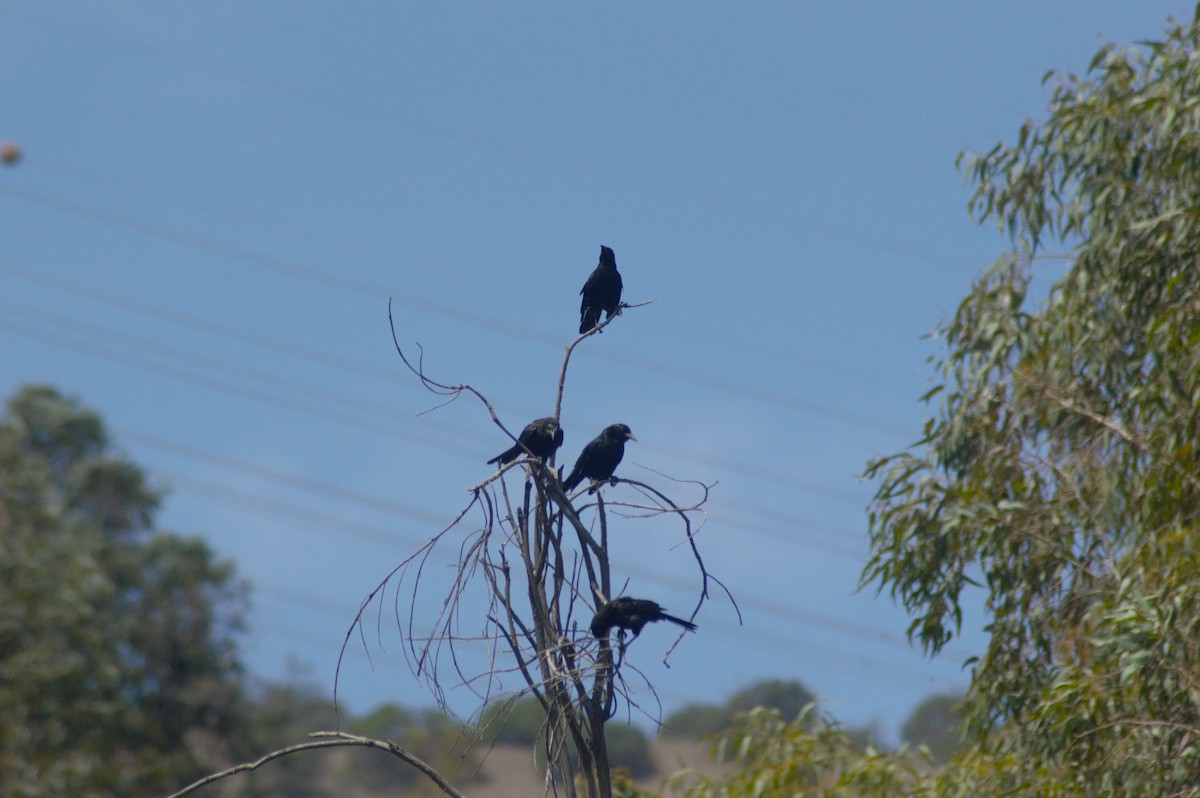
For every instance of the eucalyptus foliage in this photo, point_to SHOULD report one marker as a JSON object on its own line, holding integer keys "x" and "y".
{"x": 1059, "y": 475}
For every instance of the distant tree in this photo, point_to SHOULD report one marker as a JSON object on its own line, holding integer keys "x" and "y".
{"x": 865, "y": 736}
{"x": 523, "y": 722}
{"x": 118, "y": 665}
{"x": 1061, "y": 470}
{"x": 933, "y": 723}
{"x": 693, "y": 721}
{"x": 280, "y": 713}
{"x": 520, "y": 721}
{"x": 388, "y": 721}
{"x": 1060, "y": 473}
{"x": 629, "y": 748}
{"x": 430, "y": 734}
{"x": 772, "y": 756}
{"x": 788, "y": 697}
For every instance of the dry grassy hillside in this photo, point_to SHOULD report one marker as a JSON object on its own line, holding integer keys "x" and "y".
{"x": 508, "y": 771}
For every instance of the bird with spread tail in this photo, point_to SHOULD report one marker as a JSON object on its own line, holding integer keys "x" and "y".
{"x": 541, "y": 437}
{"x": 631, "y": 613}
{"x": 601, "y": 292}
{"x": 600, "y": 458}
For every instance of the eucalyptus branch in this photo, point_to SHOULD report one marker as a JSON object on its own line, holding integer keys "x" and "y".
{"x": 1067, "y": 403}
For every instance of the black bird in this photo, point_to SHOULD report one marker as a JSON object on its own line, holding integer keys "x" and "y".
{"x": 601, "y": 292}
{"x": 632, "y": 614}
{"x": 542, "y": 437}
{"x": 599, "y": 459}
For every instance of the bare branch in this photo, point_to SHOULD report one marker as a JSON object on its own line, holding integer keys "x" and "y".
{"x": 420, "y": 555}
{"x": 439, "y": 388}
{"x": 535, "y": 596}
{"x": 562, "y": 373}
{"x": 335, "y": 739}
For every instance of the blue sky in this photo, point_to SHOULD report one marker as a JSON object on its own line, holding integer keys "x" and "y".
{"x": 217, "y": 200}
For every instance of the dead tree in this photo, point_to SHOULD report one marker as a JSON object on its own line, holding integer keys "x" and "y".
{"x": 539, "y": 560}
{"x": 542, "y": 558}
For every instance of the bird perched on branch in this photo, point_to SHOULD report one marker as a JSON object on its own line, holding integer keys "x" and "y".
{"x": 601, "y": 292}
{"x": 542, "y": 437}
{"x": 632, "y": 614}
{"x": 599, "y": 459}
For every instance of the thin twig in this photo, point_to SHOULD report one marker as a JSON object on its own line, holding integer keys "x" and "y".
{"x": 562, "y": 372}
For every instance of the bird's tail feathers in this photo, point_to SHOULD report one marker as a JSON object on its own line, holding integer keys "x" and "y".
{"x": 506, "y": 455}
{"x": 691, "y": 627}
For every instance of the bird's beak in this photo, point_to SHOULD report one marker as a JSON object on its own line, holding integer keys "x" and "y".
{"x": 631, "y": 437}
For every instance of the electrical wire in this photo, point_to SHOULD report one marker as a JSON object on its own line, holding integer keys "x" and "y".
{"x": 323, "y": 398}
{"x": 427, "y": 304}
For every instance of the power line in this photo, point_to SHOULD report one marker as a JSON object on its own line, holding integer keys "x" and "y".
{"x": 425, "y": 304}
{"x": 763, "y": 638}
{"x": 359, "y": 498}
{"x": 356, "y": 250}
{"x": 375, "y": 534}
{"x": 692, "y": 195}
{"x": 370, "y": 369}
{"x": 759, "y": 637}
{"x": 286, "y": 385}
{"x": 793, "y": 537}
{"x": 279, "y": 265}
{"x": 267, "y": 398}
{"x": 767, "y": 396}
{"x": 330, "y": 399}
{"x": 826, "y": 623}
{"x": 775, "y": 609}
{"x": 370, "y": 533}
{"x": 203, "y": 323}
